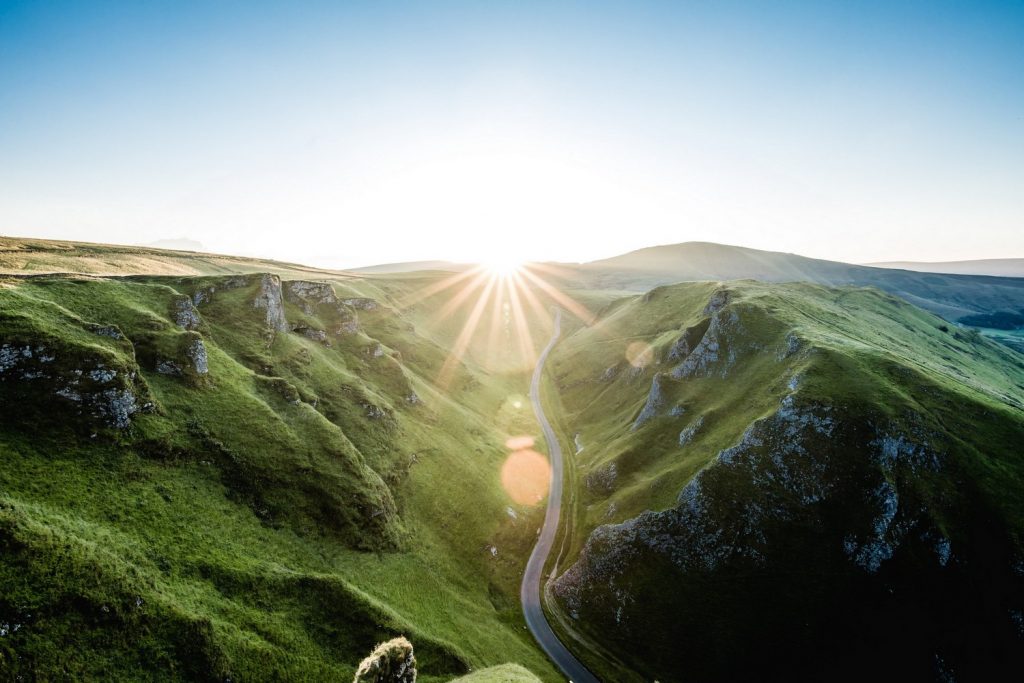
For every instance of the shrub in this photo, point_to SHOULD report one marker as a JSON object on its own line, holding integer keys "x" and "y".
{"x": 390, "y": 662}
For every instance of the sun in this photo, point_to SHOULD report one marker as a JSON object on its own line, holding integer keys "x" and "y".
{"x": 501, "y": 266}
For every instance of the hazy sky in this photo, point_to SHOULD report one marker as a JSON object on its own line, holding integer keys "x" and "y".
{"x": 344, "y": 134}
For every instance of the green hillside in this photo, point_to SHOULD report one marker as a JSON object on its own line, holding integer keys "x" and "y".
{"x": 234, "y": 476}
{"x": 792, "y": 480}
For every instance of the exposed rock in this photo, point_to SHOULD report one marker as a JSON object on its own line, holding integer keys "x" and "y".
{"x": 390, "y": 662}
{"x": 361, "y": 303}
{"x": 782, "y": 465}
{"x": 269, "y": 299}
{"x": 196, "y": 353}
{"x": 635, "y": 371}
{"x": 717, "y": 301}
{"x": 203, "y": 295}
{"x": 881, "y": 543}
{"x": 686, "y": 436}
{"x": 111, "y": 331}
{"x": 655, "y": 402}
{"x": 168, "y": 367}
{"x": 93, "y": 388}
{"x": 346, "y": 328}
{"x": 375, "y": 350}
{"x": 578, "y": 442}
{"x": 413, "y": 399}
{"x": 792, "y": 345}
{"x": 602, "y": 480}
{"x": 688, "y": 341}
{"x": 707, "y": 355}
{"x": 185, "y": 314}
{"x": 308, "y": 295}
{"x": 236, "y": 282}
{"x": 374, "y": 412}
{"x": 677, "y": 410}
{"x": 312, "y": 333}
{"x": 609, "y": 373}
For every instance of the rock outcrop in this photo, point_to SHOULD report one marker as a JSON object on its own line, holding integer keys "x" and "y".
{"x": 185, "y": 314}
{"x": 269, "y": 299}
{"x": 390, "y": 662}
{"x": 36, "y": 373}
{"x": 654, "y": 404}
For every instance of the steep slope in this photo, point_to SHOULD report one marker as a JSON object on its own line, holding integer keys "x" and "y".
{"x": 235, "y": 476}
{"x": 950, "y": 296}
{"x": 793, "y": 481}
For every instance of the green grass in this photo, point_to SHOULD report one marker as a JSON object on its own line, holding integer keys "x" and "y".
{"x": 506, "y": 673}
{"x": 879, "y": 364}
{"x": 259, "y": 521}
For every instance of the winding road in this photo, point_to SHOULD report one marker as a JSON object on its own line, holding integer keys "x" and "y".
{"x": 530, "y": 591}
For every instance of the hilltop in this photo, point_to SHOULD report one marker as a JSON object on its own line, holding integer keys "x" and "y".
{"x": 951, "y": 296}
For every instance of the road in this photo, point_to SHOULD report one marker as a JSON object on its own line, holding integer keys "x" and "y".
{"x": 530, "y": 592}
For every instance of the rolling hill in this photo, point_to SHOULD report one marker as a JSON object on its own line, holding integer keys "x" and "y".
{"x": 791, "y": 481}
{"x": 950, "y": 296}
{"x": 224, "y": 467}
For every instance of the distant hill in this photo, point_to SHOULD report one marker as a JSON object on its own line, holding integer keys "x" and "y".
{"x": 25, "y": 256}
{"x": 412, "y": 267}
{"x": 951, "y": 296}
{"x": 179, "y": 244}
{"x": 1001, "y": 267}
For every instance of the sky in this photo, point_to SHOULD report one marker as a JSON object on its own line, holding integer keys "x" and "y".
{"x": 345, "y": 134}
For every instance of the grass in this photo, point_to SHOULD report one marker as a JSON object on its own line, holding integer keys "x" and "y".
{"x": 505, "y": 673}
{"x": 877, "y": 363}
{"x": 274, "y": 518}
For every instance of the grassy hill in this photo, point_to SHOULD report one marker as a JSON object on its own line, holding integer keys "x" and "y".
{"x": 792, "y": 481}
{"x": 26, "y": 256}
{"x": 950, "y": 296}
{"x": 234, "y": 476}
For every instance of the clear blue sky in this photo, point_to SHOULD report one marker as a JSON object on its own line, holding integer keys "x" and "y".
{"x": 351, "y": 133}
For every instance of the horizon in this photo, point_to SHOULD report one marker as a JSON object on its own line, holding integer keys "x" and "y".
{"x": 343, "y": 136}
{"x": 497, "y": 264}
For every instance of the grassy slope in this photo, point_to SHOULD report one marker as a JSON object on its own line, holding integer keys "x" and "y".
{"x": 506, "y": 673}
{"x": 873, "y": 357}
{"x": 26, "y": 256}
{"x": 228, "y": 530}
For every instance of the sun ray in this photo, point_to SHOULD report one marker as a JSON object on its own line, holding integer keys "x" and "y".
{"x": 523, "y": 334}
{"x": 465, "y": 335}
{"x": 456, "y": 301}
{"x": 497, "y": 317}
{"x": 536, "y": 306}
{"x": 566, "y": 302}
{"x": 439, "y": 287}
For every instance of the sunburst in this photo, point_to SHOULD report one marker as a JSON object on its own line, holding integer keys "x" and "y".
{"x": 507, "y": 294}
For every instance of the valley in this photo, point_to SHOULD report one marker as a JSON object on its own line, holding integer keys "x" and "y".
{"x": 256, "y": 475}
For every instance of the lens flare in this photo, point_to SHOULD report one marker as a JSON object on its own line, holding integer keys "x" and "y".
{"x": 518, "y": 443}
{"x": 639, "y": 354}
{"x": 526, "y": 477}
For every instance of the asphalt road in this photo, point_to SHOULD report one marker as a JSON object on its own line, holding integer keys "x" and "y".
{"x": 530, "y": 591}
